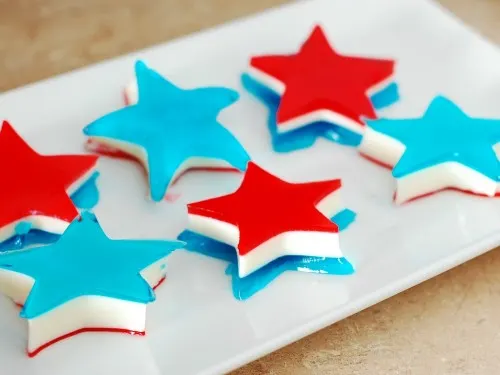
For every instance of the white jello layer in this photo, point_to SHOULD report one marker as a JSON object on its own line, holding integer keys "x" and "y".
{"x": 388, "y": 151}
{"x": 141, "y": 155}
{"x": 316, "y": 116}
{"x": 322, "y": 115}
{"x": 442, "y": 176}
{"x": 73, "y": 188}
{"x": 85, "y": 313}
{"x": 131, "y": 93}
{"x": 303, "y": 243}
{"x": 381, "y": 147}
{"x": 279, "y": 87}
{"x": 266, "y": 80}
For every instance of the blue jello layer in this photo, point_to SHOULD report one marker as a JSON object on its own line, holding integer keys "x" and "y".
{"x": 247, "y": 286}
{"x": 86, "y": 197}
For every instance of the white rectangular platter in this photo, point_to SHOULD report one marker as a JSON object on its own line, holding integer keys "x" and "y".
{"x": 196, "y": 326}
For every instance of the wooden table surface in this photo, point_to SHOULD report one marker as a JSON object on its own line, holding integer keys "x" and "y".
{"x": 447, "y": 325}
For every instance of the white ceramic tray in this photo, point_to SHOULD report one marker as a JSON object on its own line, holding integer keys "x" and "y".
{"x": 196, "y": 326}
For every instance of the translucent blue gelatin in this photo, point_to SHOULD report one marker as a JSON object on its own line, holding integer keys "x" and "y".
{"x": 87, "y": 196}
{"x": 32, "y": 237}
{"x": 247, "y": 286}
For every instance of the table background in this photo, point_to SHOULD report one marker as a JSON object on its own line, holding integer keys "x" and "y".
{"x": 447, "y": 325}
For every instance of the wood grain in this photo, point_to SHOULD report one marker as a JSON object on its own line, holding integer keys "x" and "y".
{"x": 449, "y": 325}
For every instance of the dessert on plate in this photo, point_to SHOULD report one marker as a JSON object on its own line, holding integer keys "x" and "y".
{"x": 83, "y": 282}
{"x": 170, "y": 130}
{"x": 443, "y": 149}
{"x": 37, "y": 191}
{"x": 319, "y": 92}
{"x": 268, "y": 226}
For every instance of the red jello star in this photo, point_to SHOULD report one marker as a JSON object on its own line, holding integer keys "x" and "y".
{"x": 267, "y": 218}
{"x": 35, "y": 187}
{"x": 320, "y": 84}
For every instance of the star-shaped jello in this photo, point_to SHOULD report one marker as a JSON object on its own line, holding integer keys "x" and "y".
{"x": 35, "y": 190}
{"x": 270, "y": 225}
{"x": 444, "y": 149}
{"x": 83, "y": 282}
{"x": 318, "y": 86}
{"x": 170, "y": 130}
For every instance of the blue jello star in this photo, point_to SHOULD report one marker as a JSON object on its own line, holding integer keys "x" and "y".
{"x": 172, "y": 128}
{"x": 85, "y": 262}
{"x": 444, "y": 134}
